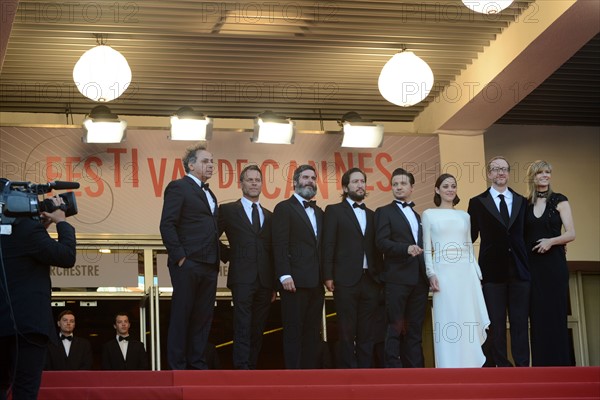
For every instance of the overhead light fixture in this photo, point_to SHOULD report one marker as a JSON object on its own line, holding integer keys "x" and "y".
{"x": 360, "y": 133}
{"x": 188, "y": 124}
{"x": 273, "y": 128}
{"x": 102, "y": 73}
{"x": 102, "y": 126}
{"x": 405, "y": 79}
{"x": 487, "y": 6}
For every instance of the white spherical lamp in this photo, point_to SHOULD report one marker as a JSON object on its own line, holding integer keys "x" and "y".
{"x": 405, "y": 79}
{"x": 102, "y": 74}
{"x": 487, "y": 6}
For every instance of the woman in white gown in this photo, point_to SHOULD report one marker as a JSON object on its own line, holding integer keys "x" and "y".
{"x": 460, "y": 317}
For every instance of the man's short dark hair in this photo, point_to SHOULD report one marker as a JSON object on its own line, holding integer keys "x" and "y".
{"x": 190, "y": 156}
{"x": 298, "y": 171}
{"x": 121, "y": 314}
{"x": 402, "y": 171}
{"x": 251, "y": 167}
{"x": 65, "y": 312}
{"x": 346, "y": 178}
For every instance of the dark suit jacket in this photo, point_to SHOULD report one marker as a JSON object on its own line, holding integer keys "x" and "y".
{"x": 295, "y": 246}
{"x": 393, "y": 237}
{"x": 344, "y": 245}
{"x": 249, "y": 252}
{"x": 499, "y": 243}
{"x": 27, "y": 254}
{"x": 187, "y": 226}
{"x": 80, "y": 356}
{"x": 112, "y": 357}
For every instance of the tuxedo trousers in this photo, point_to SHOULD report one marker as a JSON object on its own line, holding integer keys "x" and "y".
{"x": 192, "y": 307}
{"x": 301, "y": 314}
{"x": 251, "y": 305}
{"x": 405, "y": 309}
{"x": 356, "y": 308}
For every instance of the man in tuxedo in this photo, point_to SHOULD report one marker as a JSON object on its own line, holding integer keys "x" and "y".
{"x": 399, "y": 236}
{"x": 71, "y": 352}
{"x": 248, "y": 228}
{"x": 351, "y": 265}
{"x": 26, "y": 322}
{"x": 123, "y": 352}
{"x": 190, "y": 233}
{"x": 498, "y": 216}
{"x": 297, "y": 224}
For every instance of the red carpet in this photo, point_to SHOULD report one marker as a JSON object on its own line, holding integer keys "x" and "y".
{"x": 373, "y": 384}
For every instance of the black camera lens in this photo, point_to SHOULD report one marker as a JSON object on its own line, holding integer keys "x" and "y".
{"x": 69, "y": 206}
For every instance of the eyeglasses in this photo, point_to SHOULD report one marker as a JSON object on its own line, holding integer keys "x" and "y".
{"x": 500, "y": 169}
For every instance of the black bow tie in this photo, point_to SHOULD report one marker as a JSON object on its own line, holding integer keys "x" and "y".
{"x": 311, "y": 203}
{"x": 361, "y": 206}
{"x": 205, "y": 185}
{"x": 403, "y": 204}
{"x": 63, "y": 337}
{"x": 121, "y": 338}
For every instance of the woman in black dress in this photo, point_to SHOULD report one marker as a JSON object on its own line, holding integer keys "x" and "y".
{"x": 548, "y": 212}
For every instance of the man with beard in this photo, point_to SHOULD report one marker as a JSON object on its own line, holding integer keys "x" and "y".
{"x": 297, "y": 224}
{"x": 351, "y": 266}
{"x": 247, "y": 225}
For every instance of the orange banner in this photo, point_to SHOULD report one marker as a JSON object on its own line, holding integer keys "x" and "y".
{"x": 122, "y": 184}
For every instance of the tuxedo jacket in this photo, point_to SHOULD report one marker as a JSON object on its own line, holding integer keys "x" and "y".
{"x": 249, "y": 252}
{"x": 393, "y": 237}
{"x": 344, "y": 245}
{"x": 499, "y": 243}
{"x": 27, "y": 254}
{"x": 112, "y": 357}
{"x": 187, "y": 226}
{"x": 296, "y": 249}
{"x": 80, "y": 356}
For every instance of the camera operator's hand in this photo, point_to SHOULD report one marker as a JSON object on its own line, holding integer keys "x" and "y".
{"x": 55, "y": 216}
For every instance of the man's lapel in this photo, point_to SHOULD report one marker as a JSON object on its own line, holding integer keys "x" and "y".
{"x": 490, "y": 206}
{"x": 299, "y": 208}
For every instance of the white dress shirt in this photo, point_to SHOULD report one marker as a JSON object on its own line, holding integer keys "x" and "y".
{"x": 361, "y": 216}
{"x": 310, "y": 212}
{"x": 412, "y": 220}
{"x": 123, "y": 345}
{"x": 508, "y": 198}
{"x": 211, "y": 201}
{"x": 247, "y": 204}
{"x": 67, "y": 344}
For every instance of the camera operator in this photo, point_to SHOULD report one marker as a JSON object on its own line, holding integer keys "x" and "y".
{"x": 26, "y": 321}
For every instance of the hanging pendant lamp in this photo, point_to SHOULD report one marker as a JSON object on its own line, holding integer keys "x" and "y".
{"x": 487, "y": 6}
{"x": 405, "y": 79}
{"x": 102, "y": 74}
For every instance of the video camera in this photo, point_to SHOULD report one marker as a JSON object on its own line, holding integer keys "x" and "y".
{"x": 21, "y": 199}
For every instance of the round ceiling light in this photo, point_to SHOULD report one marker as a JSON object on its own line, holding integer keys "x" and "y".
{"x": 102, "y": 74}
{"x": 487, "y": 6}
{"x": 405, "y": 79}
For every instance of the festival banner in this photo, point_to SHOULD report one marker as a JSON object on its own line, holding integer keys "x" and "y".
{"x": 122, "y": 184}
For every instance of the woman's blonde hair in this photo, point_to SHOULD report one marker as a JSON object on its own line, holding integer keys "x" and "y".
{"x": 535, "y": 168}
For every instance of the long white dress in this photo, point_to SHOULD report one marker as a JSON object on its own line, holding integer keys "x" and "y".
{"x": 460, "y": 317}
